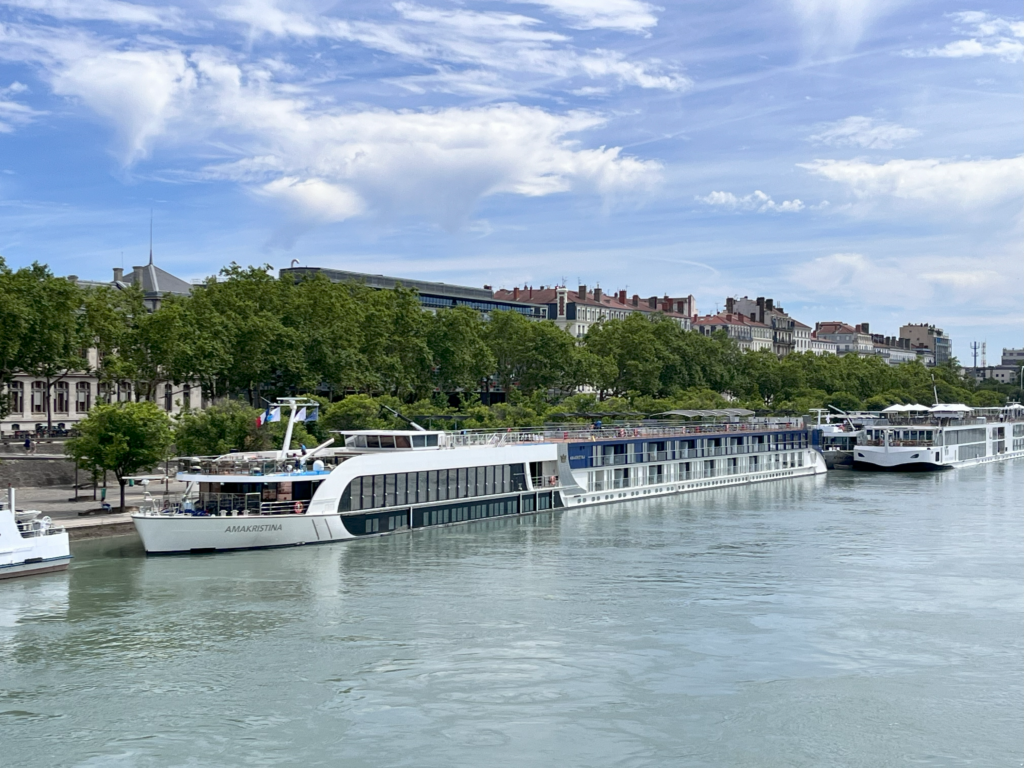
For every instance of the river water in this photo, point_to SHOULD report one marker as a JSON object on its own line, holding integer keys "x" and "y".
{"x": 853, "y": 620}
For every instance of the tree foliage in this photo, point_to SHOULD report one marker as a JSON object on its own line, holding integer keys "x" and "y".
{"x": 122, "y": 438}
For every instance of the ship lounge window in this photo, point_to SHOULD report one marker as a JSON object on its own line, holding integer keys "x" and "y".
{"x": 376, "y": 491}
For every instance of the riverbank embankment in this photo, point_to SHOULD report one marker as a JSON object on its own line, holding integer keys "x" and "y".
{"x": 85, "y": 518}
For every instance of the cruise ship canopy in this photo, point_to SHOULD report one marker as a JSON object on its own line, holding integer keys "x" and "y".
{"x": 953, "y": 408}
{"x": 718, "y": 412}
{"x": 897, "y": 408}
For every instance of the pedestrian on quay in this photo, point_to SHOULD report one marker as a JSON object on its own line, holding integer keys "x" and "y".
{"x": 28, "y": 445}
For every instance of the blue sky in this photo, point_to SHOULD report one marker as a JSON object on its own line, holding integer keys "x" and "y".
{"x": 854, "y": 159}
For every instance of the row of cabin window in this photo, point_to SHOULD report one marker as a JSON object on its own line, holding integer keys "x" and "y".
{"x": 661, "y": 448}
{"x": 627, "y": 477}
{"x": 395, "y": 490}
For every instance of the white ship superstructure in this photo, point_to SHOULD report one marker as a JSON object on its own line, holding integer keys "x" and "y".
{"x": 388, "y": 481}
{"x": 942, "y": 437}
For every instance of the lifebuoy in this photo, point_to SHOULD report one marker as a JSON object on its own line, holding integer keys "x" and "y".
{"x": 297, "y": 508}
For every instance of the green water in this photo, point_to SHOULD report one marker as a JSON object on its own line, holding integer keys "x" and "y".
{"x": 853, "y": 620}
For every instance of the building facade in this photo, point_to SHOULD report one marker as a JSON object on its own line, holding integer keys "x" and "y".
{"x": 855, "y": 340}
{"x": 34, "y": 402}
{"x": 766, "y": 312}
{"x": 576, "y": 311}
{"x": 749, "y": 335}
{"x": 433, "y": 296}
{"x": 924, "y": 336}
{"x": 822, "y": 346}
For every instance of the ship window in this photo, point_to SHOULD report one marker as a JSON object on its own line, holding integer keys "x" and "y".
{"x": 506, "y": 478}
{"x": 389, "y": 491}
{"x": 419, "y": 441}
{"x": 432, "y": 485}
{"x": 378, "y": 490}
{"x": 518, "y": 477}
{"x": 463, "y": 489}
{"x": 387, "y": 441}
{"x": 400, "y": 484}
{"x": 432, "y": 441}
{"x": 402, "y": 441}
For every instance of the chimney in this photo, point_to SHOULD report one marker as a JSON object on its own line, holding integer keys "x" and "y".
{"x": 769, "y": 305}
{"x": 118, "y": 275}
{"x": 582, "y": 292}
{"x": 730, "y": 304}
{"x": 597, "y": 294}
{"x": 515, "y": 293}
{"x": 137, "y": 276}
{"x": 636, "y": 300}
{"x": 652, "y": 302}
{"x": 865, "y": 327}
{"x": 622, "y": 297}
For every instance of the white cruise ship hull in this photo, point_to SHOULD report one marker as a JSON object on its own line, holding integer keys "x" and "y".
{"x": 165, "y": 534}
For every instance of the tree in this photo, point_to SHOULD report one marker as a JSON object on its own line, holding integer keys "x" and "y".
{"x": 217, "y": 430}
{"x": 13, "y": 314}
{"x": 55, "y": 333}
{"x": 122, "y": 438}
{"x": 458, "y": 348}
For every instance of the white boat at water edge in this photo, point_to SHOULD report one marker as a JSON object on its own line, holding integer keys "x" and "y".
{"x": 391, "y": 481}
{"x": 29, "y": 543}
{"x": 944, "y": 436}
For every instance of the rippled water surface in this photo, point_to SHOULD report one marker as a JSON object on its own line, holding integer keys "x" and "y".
{"x": 853, "y": 620}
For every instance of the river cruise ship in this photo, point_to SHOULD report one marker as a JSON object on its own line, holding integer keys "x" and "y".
{"x": 922, "y": 439}
{"x": 390, "y": 481}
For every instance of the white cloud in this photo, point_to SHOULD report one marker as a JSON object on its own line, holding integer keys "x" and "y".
{"x": 965, "y": 182}
{"x": 757, "y": 201}
{"x": 906, "y": 283}
{"x": 314, "y": 199}
{"x": 13, "y": 114}
{"x": 624, "y": 15}
{"x": 988, "y": 36}
{"x": 864, "y": 132}
{"x": 138, "y": 92}
{"x": 832, "y": 26}
{"x": 470, "y": 51}
{"x": 102, "y": 10}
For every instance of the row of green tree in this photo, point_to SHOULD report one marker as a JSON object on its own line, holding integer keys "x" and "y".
{"x": 248, "y": 334}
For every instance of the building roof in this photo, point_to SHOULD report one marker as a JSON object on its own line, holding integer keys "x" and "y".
{"x": 156, "y": 280}
{"x": 613, "y": 301}
{"x": 834, "y": 326}
{"x": 727, "y": 318}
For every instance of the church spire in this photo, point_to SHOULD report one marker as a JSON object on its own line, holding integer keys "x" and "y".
{"x": 150, "y": 237}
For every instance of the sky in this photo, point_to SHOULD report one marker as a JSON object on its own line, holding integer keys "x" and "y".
{"x": 855, "y": 160}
